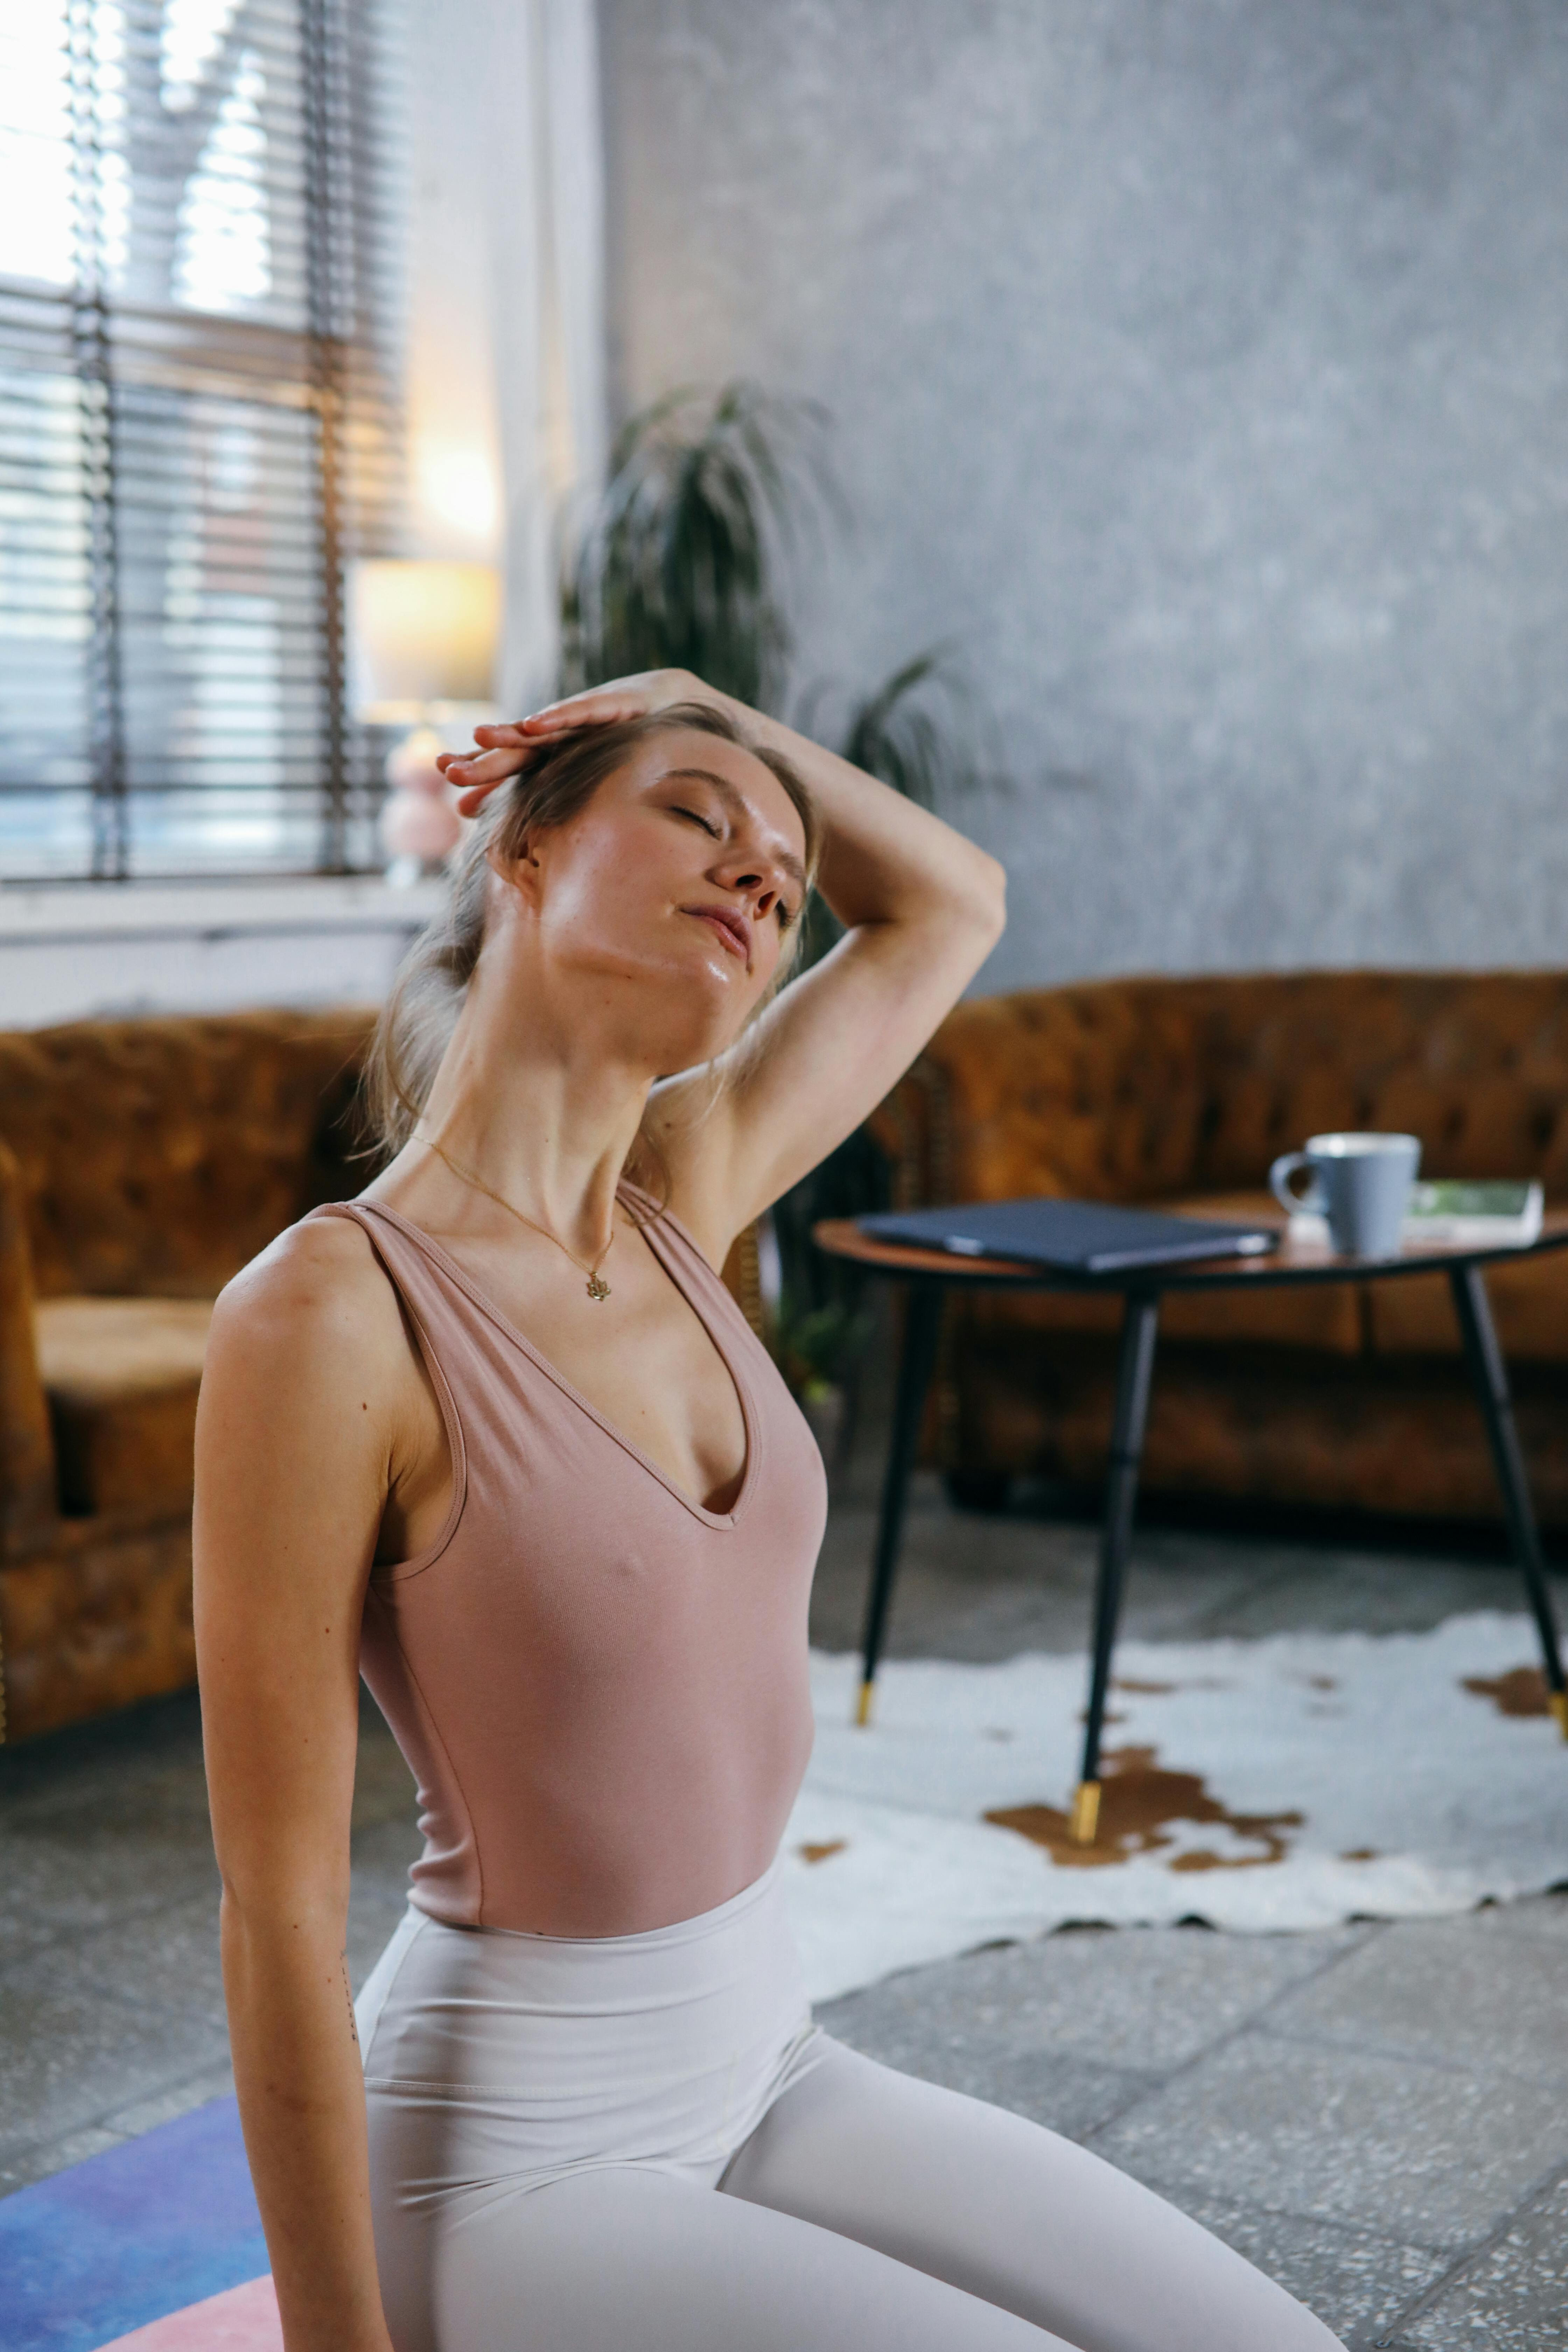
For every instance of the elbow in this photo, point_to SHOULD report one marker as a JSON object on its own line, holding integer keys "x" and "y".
{"x": 989, "y": 898}
{"x": 998, "y": 899}
{"x": 260, "y": 1903}
{"x": 969, "y": 910}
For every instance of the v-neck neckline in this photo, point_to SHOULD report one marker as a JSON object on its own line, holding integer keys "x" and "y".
{"x": 487, "y": 1306}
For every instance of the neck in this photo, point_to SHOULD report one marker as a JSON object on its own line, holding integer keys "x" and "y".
{"x": 543, "y": 1114}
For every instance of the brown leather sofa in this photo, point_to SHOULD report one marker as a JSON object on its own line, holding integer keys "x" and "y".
{"x": 142, "y": 1164}
{"x": 1182, "y": 1091}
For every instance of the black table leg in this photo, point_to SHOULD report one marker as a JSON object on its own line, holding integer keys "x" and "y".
{"x": 1489, "y": 1375}
{"x": 920, "y": 1325}
{"x": 1134, "y": 1374}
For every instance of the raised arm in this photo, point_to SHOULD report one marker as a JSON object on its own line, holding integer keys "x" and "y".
{"x": 921, "y": 908}
{"x": 292, "y": 1475}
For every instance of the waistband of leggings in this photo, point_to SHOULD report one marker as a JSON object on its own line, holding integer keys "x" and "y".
{"x": 724, "y": 1918}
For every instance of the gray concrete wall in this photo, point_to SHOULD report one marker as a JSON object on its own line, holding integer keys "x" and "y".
{"x": 1200, "y": 366}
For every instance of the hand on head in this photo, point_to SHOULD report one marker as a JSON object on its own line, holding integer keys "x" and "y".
{"x": 504, "y": 750}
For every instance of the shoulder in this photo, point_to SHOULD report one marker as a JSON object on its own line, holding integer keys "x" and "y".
{"x": 304, "y": 1404}
{"x": 314, "y": 1304}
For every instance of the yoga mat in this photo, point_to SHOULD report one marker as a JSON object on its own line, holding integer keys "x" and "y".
{"x": 244, "y": 2320}
{"x": 131, "y": 2236}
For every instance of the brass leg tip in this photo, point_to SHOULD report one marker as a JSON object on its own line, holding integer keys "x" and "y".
{"x": 863, "y": 1707}
{"x": 1085, "y": 1817}
{"x": 1558, "y": 1702}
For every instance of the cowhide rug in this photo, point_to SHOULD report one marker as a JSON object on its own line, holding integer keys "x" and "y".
{"x": 1259, "y": 1786}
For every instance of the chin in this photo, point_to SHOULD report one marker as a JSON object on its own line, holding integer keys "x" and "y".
{"x": 683, "y": 1008}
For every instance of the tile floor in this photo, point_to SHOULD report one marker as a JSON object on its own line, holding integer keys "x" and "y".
{"x": 1377, "y": 2115}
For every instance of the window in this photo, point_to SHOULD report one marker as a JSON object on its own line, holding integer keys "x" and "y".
{"x": 198, "y": 428}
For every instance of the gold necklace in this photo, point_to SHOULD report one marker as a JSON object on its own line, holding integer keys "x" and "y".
{"x": 597, "y": 1287}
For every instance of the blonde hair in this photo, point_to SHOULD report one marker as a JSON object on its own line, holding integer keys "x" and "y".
{"x": 421, "y": 1012}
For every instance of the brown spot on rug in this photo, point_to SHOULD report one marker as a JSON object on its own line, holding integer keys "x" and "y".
{"x": 1139, "y": 1801}
{"x": 1522, "y": 1691}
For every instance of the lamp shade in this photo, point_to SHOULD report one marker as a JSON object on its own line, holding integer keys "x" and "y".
{"x": 422, "y": 633}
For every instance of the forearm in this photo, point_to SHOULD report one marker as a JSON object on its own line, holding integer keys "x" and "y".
{"x": 885, "y": 859}
{"x": 301, "y": 2101}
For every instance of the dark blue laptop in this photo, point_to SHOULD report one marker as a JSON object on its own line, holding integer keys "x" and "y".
{"x": 1070, "y": 1236}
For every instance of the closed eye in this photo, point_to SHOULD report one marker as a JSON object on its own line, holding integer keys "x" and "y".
{"x": 714, "y": 831}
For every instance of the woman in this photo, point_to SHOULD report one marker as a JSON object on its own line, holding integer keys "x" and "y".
{"x": 497, "y": 1432}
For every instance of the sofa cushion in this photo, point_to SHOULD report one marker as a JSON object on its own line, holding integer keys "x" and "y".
{"x": 121, "y": 1376}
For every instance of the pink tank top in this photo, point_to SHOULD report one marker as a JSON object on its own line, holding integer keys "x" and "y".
{"x": 600, "y": 1686}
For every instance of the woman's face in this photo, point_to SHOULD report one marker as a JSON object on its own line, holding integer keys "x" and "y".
{"x": 684, "y": 874}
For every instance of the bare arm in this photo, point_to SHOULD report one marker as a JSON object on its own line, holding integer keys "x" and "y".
{"x": 921, "y": 908}
{"x": 292, "y": 1473}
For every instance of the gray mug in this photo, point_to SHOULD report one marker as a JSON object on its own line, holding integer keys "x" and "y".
{"x": 1361, "y": 1183}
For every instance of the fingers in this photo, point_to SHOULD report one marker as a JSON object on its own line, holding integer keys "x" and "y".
{"x": 477, "y": 774}
{"x": 467, "y": 768}
{"x": 505, "y": 746}
{"x": 599, "y": 707}
{"x": 470, "y": 803}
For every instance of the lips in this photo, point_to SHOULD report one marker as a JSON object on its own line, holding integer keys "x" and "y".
{"x": 732, "y": 927}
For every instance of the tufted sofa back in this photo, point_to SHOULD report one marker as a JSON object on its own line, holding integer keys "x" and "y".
{"x": 1130, "y": 1089}
{"x": 157, "y": 1156}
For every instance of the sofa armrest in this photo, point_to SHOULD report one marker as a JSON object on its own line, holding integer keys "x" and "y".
{"x": 27, "y": 1445}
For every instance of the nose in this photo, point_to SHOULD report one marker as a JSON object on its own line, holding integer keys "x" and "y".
{"x": 751, "y": 878}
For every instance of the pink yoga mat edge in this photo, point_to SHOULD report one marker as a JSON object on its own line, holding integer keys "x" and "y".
{"x": 245, "y": 2319}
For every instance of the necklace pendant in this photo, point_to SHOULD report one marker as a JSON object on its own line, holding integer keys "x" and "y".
{"x": 597, "y": 1287}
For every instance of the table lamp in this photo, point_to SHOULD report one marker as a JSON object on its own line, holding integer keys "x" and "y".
{"x": 424, "y": 643}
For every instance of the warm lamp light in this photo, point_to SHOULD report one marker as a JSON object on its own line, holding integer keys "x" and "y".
{"x": 423, "y": 635}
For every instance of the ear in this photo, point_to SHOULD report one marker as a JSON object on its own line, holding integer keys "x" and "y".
{"x": 517, "y": 869}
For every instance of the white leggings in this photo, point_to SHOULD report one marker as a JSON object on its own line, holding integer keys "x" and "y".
{"x": 641, "y": 2144}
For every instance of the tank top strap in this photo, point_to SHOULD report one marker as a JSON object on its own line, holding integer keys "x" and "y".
{"x": 419, "y": 1270}
{"x": 451, "y": 1315}
{"x": 432, "y": 1289}
{"x": 677, "y": 1246}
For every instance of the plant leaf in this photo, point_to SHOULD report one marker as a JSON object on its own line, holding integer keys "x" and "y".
{"x": 679, "y": 563}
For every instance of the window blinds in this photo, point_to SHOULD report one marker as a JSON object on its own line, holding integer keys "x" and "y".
{"x": 198, "y": 428}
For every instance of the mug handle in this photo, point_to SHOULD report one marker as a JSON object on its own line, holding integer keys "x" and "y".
{"x": 1289, "y": 1163}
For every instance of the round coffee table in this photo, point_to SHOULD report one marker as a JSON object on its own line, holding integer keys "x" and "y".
{"x": 927, "y": 1275}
